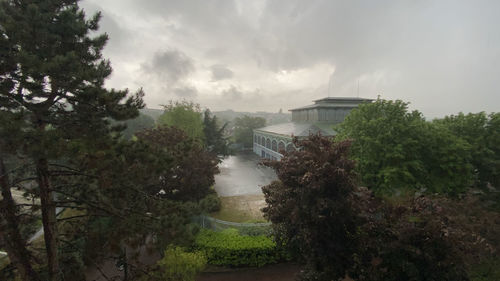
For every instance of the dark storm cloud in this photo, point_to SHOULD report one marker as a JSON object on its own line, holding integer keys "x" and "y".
{"x": 220, "y": 72}
{"x": 170, "y": 65}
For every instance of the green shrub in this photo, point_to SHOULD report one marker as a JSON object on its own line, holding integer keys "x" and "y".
{"x": 211, "y": 203}
{"x": 179, "y": 265}
{"x": 232, "y": 249}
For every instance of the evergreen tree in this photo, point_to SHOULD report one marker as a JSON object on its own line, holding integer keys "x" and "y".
{"x": 52, "y": 72}
{"x": 214, "y": 136}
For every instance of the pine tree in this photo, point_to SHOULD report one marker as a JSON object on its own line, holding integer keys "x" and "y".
{"x": 52, "y": 72}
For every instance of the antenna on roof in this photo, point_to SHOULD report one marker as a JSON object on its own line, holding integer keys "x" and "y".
{"x": 358, "y": 87}
{"x": 329, "y": 84}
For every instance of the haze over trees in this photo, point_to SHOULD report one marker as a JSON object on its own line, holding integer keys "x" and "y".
{"x": 243, "y": 129}
{"x": 135, "y": 125}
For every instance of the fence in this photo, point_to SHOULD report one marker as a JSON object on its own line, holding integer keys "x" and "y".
{"x": 251, "y": 229}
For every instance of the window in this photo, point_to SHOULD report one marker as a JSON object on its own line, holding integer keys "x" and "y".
{"x": 281, "y": 146}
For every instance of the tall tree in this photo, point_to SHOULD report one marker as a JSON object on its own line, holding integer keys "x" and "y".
{"x": 184, "y": 115}
{"x": 396, "y": 149}
{"x": 189, "y": 158}
{"x": 244, "y": 126}
{"x": 309, "y": 206}
{"x": 52, "y": 71}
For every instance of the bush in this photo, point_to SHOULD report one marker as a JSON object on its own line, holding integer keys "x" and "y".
{"x": 256, "y": 230}
{"x": 211, "y": 203}
{"x": 179, "y": 265}
{"x": 229, "y": 248}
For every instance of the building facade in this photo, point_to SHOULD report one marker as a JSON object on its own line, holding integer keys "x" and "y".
{"x": 319, "y": 117}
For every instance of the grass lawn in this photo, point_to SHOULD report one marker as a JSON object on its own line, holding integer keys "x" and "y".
{"x": 244, "y": 208}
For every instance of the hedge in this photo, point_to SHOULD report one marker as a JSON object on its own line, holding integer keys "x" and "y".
{"x": 229, "y": 248}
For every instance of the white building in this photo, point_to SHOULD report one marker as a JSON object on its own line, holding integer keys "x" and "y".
{"x": 319, "y": 117}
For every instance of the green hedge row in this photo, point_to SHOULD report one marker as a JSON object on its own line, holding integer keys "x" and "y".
{"x": 229, "y": 248}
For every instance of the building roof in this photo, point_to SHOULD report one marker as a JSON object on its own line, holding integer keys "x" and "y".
{"x": 299, "y": 129}
{"x": 334, "y": 102}
{"x": 342, "y": 99}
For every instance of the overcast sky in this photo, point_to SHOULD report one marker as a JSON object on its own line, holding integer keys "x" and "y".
{"x": 256, "y": 55}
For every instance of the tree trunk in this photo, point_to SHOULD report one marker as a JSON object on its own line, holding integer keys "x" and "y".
{"x": 48, "y": 217}
{"x": 9, "y": 231}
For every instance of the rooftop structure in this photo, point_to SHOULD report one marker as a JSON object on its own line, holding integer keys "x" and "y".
{"x": 319, "y": 117}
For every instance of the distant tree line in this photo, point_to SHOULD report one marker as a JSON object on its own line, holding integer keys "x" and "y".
{"x": 396, "y": 149}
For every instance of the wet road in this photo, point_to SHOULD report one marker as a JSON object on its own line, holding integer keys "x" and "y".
{"x": 240, "y": 174}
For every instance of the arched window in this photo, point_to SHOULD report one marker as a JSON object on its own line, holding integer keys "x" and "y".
{"x": 258, "y": 139}
{"x": 268, "y": 143}
{"x": 255, "y": 138}
{"x": 275, "y": 146}
{"x": 290, "y": 147}
{"x": 263, "y": 141}
{"x": 281, "y": 146}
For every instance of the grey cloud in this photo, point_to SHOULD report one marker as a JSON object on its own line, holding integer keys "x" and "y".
{"x": 443, "y": 56}
{"x": 170, "y": 65}
{"x": 232, "y": 94}
{"x": 221, "y": 72}
{"x": 118, "y": 36}
{"x": 188, "y": 92}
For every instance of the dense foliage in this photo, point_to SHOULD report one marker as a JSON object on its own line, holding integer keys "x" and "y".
{"x": 243, "y": 129}
{"x": 192, "y": 175}
{"x": 341, "y": 230}
{"x": 229, "y": 248}
{"x": 482, "y": 133}
{"x": 179, "y": 265}
{"x": 396, "y": 150}
{"x": 419, "y": 239}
